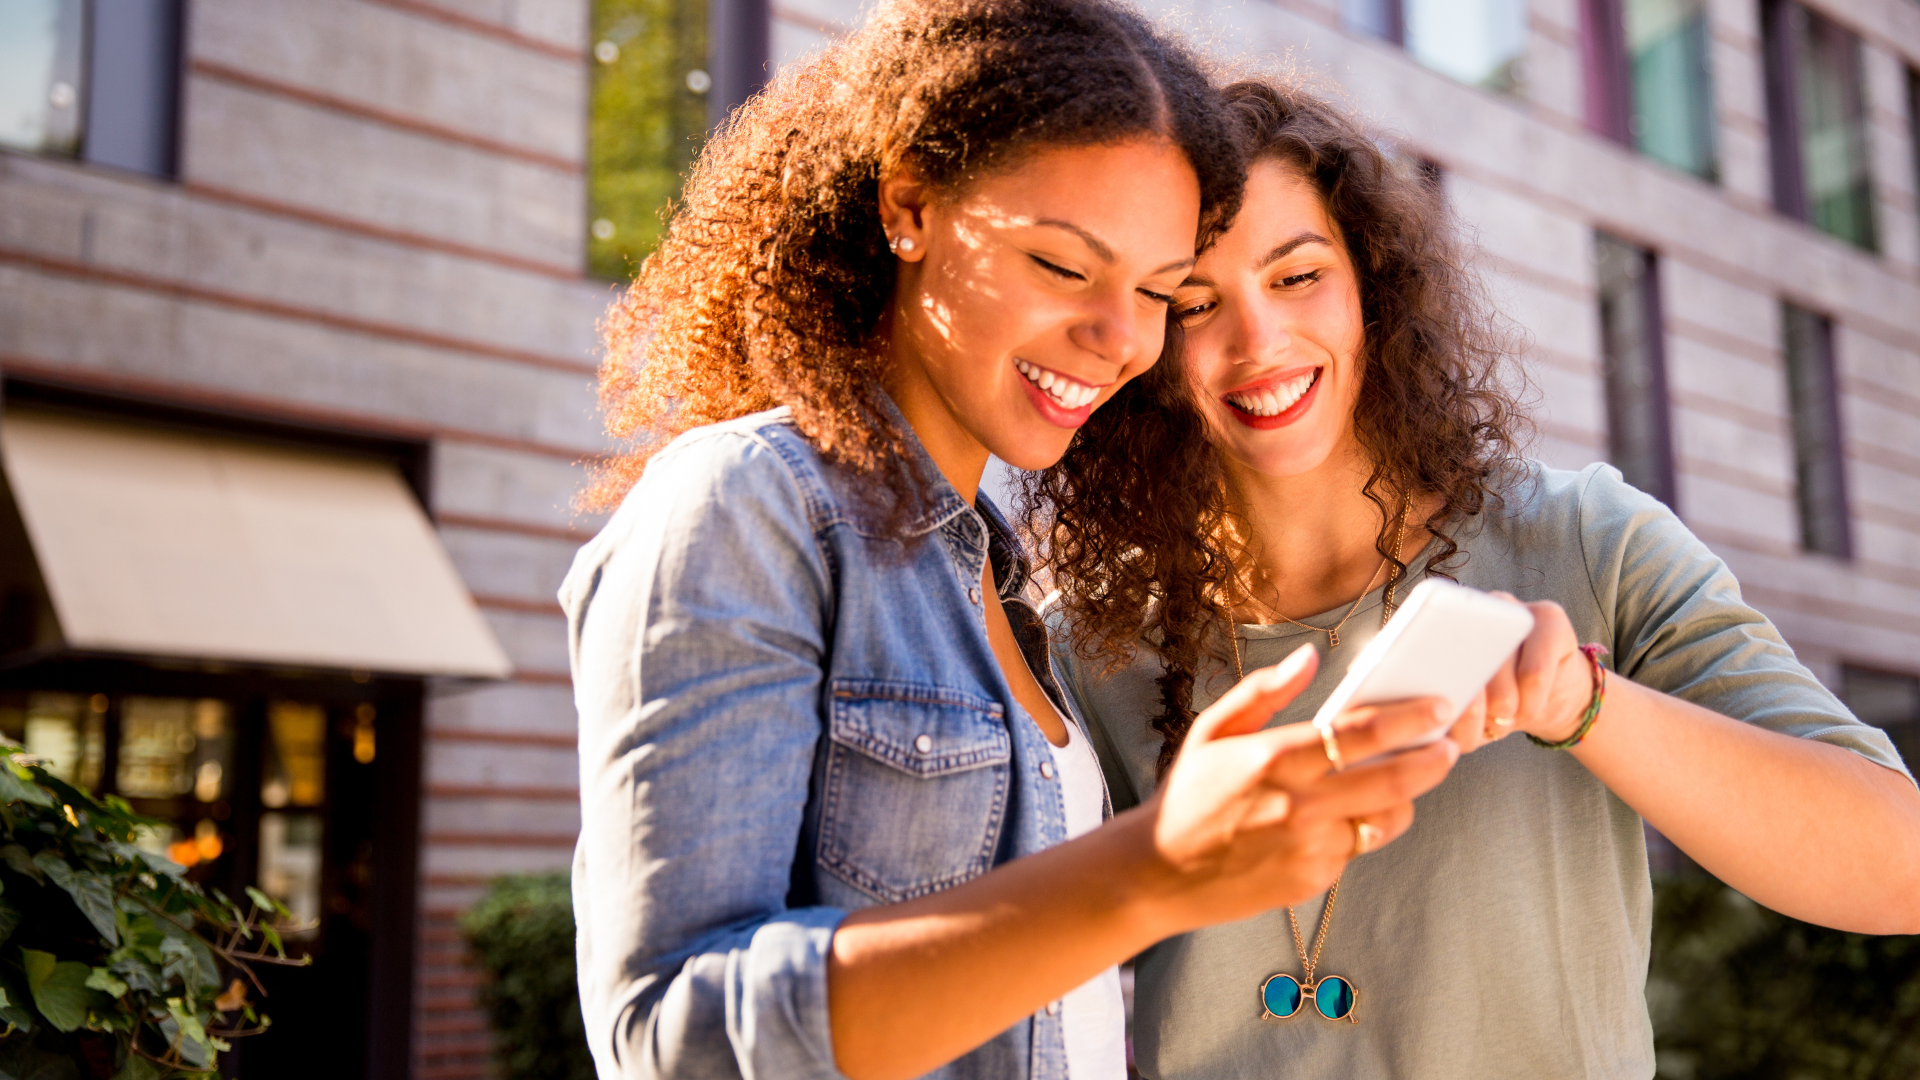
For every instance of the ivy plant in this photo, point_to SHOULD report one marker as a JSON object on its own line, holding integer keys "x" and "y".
{"x": 113, "y": 965}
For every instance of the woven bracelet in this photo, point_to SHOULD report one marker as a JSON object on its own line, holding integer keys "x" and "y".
{"x": 1593, "y": 651}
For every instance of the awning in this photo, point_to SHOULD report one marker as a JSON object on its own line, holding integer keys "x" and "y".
{"x": 168, "y": 543}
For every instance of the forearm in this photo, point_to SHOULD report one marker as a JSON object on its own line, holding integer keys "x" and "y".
{"x": 914, "y": 985}
{"x": 1808, "y": 829}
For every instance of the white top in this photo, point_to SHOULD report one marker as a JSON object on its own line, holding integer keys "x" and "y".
{"x": 1094, "y": 1019}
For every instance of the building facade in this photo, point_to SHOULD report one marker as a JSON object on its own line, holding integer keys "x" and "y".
{"x": 363, "y": 231}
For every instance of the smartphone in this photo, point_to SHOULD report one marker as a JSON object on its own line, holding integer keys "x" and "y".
{"x": 1446, "y": 641}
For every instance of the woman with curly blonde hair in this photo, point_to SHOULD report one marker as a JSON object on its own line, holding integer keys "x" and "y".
{"x": 837, "y": 817}
{"x": 1337, "y": 428}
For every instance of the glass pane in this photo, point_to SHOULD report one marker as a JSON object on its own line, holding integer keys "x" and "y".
{"x": 296, "y": 767}
{"x": 40, "y": 84}
{"x": 1817, "y": 446}
{"x": 156, "y": 748}
{"x": 1375, "y": 18}
{"x": 1833, "y": 139}
{"x": 649, "y": 117}
{"x": 1476, "y": 41}
{"x": 55, "y": 734}
{"x": 290, "y": 865}
{"x": 1638, "y": 439}
{"x": 1672, "y": 96}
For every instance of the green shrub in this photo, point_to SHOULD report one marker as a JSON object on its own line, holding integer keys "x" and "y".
{"x": 1739, "y": 991}
{"x": 112, "y": 963}
{"x": 521, "y": 934}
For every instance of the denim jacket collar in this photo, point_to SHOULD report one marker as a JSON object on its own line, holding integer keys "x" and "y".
{"x": 941, "y": 503}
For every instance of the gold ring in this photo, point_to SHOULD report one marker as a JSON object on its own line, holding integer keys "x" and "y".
{"x": 1365, "y": 836}
{"x": 1331, "y": 745}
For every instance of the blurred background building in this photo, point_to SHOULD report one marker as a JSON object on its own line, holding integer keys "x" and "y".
{"x": 296, "y": 349}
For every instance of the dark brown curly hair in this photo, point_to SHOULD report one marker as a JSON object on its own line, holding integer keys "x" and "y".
{"x": 1141, "y": 542}
{"x": 775, "y": 269}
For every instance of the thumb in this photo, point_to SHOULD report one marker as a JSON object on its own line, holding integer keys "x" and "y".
{"x": 1248, "y": 706}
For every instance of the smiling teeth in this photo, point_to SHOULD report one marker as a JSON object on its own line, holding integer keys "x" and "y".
{"x": 1066, "y": 393}
{"x": 1274, "y": 400}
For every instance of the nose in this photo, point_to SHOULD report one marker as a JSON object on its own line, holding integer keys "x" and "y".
{"x": 1111, "y": 329}
{"x": 1258, "y": 335}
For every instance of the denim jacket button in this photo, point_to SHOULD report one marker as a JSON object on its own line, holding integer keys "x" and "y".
{"x": 1046, "y": 769}
{"x": 924, "y": 744}
{"x": 973, "y": 594}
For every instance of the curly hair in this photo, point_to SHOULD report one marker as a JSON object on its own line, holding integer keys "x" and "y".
{"x": 1141, "y": 542}
{"x": 775, "y": 269}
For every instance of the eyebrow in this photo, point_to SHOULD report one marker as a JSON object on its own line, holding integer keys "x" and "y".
{"x": 1099, "y": 246}
{"x": 1286, "y": 248}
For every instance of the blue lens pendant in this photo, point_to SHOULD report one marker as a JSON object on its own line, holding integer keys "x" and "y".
{"x": 1333, "y": 997}
{"x": 1281, "y": 995}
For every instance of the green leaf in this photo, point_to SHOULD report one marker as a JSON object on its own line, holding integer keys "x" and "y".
{"x": 193, "y": 1047}
{"x": 13, "y": 1005}
{"x": 139, "y": 1068}
{"x": 21, "y": 862}
{"x": 91, "y": 892}
{"x": 9, "y": 921}
{"x": 102, "y": 979}
{"x": 59, "y": 988}
{"x": 189, "y": 959}
{"x": 15, "y": 789}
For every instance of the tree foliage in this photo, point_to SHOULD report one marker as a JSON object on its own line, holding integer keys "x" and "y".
{"x": 1738, "y": 991}
{"x": 521, "y": 935}
{"x": 112, "y": 963}
{"x": 647, "y": 123}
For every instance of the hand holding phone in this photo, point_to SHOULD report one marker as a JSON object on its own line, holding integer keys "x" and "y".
{"x": 1446, "y": 641}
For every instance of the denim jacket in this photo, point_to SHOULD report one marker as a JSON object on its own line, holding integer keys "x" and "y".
{"x": 786, "y": 713}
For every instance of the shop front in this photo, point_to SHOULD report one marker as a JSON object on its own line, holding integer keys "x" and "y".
{"x": 232, "y": 626}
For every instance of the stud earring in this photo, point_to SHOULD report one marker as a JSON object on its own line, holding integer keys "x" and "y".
{"x": 905, "y": 243}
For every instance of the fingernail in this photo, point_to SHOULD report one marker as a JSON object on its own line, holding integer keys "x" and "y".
{"x": 1296, "y": 660}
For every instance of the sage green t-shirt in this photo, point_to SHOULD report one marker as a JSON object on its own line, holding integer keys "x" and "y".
{"x": 1506, "y": 934}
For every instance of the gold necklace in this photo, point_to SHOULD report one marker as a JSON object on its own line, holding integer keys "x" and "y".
{"x": 1393, "y": 577}
{"x": 1334, "y": 997}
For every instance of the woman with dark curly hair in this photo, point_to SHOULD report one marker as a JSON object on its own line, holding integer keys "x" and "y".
{"x": 830, "y": 787}
{"x": 1337, "y": 427}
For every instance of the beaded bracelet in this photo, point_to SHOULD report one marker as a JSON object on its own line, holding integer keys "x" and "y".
{"x": 1593, "y": 651}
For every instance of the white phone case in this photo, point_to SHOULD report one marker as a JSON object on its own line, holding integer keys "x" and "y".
{"x": 1446, "y": 641}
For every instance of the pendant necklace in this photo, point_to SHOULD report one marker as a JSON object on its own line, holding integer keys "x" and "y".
{"x": 1334, "y": 996}
{"x": 1333, "y": 635}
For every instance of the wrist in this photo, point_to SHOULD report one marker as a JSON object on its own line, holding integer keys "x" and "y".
{"x": 1147, "y": 885}
{"x": 1579, "y": 720}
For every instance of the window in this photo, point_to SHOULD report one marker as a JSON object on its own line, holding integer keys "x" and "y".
{"x": 40, "y": 75}
{"x": 1913, "y": 123}
{"x": 1481, "y": 42}
{"x": 1816, "y": 110}
{"x": 1639, "y": 440}
{"x": 1887, "y": 701}
{"x": 1647, "y": 82}
{"x": 650, "y": 86}
{"x": 1818, "y": 453}
{"x": 92, "y": 79}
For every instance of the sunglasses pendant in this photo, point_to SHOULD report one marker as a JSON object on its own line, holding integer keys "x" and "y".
{"x": 1333, "y": 997}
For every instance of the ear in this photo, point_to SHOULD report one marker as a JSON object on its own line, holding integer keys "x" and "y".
{"x": 904, "y": 198}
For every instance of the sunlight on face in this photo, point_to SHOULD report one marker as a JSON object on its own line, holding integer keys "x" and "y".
{"x": 1039, "y": 292}
{"x": 1274, "y": 329}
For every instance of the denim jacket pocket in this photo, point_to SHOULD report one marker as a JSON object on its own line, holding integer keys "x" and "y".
{"x": 917, "y": 779}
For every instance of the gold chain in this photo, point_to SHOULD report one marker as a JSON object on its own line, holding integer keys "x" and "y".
{"x": 1393, "y": 577}
{"x": 1308, "y": 964}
